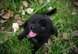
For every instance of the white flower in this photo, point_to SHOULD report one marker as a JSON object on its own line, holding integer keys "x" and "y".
{"x": 50, "y": 8}
{"x": 15, "y": 26}
{"x": 29, "y": 10}
{"x": 48, "y": 0}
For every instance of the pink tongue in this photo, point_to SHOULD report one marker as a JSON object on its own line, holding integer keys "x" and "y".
{"x": 31, "y": 34}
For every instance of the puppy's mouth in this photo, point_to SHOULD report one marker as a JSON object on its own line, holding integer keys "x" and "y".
{"x": 31, "y": 34}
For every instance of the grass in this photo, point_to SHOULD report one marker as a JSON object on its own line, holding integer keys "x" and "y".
{"x": 63, "y": 20}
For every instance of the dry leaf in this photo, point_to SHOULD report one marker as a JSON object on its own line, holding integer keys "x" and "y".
{"x": 41, "y": 1}
{"x": 23, "y": 12}
{"x": 1, "y": 12}
{"x": 74, "y": 11}
{"x": 64, "y": 36}
{"x": 76, "y": 3}
{"x": 2, "y": 28}
{"x": 75, "y": 33}
{"x": 5, "y": 38}
{"x": 7, "y": 15}
{"x": 74, "y": 49}
{"x": 3, "y": 21}
{"x": 15, "y": 26}
{"x": 19, "y": 22}
{"x": 25, "y": 3}
{"x": 21, "y": 8}
{"x": 18, "y": 19}
{"x": 48, "y": 45}
{"x": 29, "y": 10}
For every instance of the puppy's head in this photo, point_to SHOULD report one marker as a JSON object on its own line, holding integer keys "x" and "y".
{"x": 39, "y": 25}
{"x": 36, "y": 27}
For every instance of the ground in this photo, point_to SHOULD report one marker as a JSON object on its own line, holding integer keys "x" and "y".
{"x": 65, "y": 20}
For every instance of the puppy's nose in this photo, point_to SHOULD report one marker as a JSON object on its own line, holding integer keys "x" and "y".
{"x": 32, "y": 27}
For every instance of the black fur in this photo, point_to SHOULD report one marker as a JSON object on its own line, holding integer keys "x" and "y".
{"x": 40, "y": 24}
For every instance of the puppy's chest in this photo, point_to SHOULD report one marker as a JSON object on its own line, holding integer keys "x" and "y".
{"x": 34, "y": 40}
{"x": 37, "y": 39}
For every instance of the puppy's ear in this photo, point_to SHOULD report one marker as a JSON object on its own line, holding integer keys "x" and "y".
{"x": 43, "y": 22}
{"x": 54, "y": 31}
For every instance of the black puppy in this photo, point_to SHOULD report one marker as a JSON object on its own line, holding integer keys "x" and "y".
{"x": 38, "y": 27}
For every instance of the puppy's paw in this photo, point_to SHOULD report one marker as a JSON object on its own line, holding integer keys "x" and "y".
{"x": 20, "y": 37}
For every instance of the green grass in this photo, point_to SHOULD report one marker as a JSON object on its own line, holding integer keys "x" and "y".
{"x": 63, "y": 20}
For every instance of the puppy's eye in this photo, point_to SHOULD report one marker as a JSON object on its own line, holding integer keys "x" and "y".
{"x": 42, "y": 27}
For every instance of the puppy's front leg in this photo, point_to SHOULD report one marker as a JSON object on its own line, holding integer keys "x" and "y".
{"x": 23, "y": 34}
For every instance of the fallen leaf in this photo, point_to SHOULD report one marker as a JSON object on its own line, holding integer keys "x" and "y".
{"x": 75, "y": 33}
{"x": 74, "y": 11}
{"x": 5, "y": 38}
{"x": 19, "y": 22}
{"x": 7, "y": 15}
{"x": 15, "y": 26}
{"x": 21, "y": 8}
{"x": 3, "y": 21}
{"x": 29, "y": 10}
{"x": 65, "y": 36}
{"x": 25, "y": 3}
{"x": 2, "y": 29}
{"x": 1, "y": 12}
{"x": 48, "y": 45}
{"x": 23, "y": 12}
{"x": 74, "y": 49}
{"x": 76, "y": 3}
{"x": 18, "y": 19}
{"x": 41, "y": 1}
